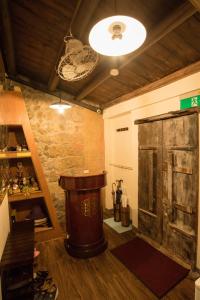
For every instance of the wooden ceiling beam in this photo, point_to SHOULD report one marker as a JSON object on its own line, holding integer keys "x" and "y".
{"x": 54, "y": 78}
{"x": 79, "y": 26}
{"x": 58, "y": 93}
{"x": 189, "y": 70}
{"x": 8, "y": 37}
{"x": 83, "y": 17}
{"x": 175, "y": 18}
{"x": 196, "y": 4}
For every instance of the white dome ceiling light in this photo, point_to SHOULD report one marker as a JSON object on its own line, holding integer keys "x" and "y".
{"x": 117, "y": 35}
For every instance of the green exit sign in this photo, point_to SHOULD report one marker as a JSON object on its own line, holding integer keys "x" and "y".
{"x": 190, "y": 102}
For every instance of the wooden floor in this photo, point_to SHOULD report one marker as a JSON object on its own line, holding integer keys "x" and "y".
{"x": 100, "y": 277}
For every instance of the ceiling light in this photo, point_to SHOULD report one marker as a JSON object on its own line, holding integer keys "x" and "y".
{"x": 117, "y": 35}
{"x": 114, "y": 72}
{"x": 60, "y": 106}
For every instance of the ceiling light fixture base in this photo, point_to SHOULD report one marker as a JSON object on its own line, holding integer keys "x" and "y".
{"x": 117, "y": 35}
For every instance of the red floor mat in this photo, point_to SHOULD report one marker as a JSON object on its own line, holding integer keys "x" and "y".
{"x": 157, "y": 271}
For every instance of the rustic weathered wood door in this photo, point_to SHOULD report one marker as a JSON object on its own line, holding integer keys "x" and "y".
{"x": 180, "y": 185}
{"x": 168, "y": 183}
{"x": 150, "y": 180}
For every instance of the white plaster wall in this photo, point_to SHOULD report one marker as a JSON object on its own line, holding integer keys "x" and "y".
{"x": 119, "y": 158}
{"x": 159, "y": 101}
{"x": 4, "y": 228}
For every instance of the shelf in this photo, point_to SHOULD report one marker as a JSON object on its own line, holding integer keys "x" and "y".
{"x": 25, "y": 196}
{"x": 18, "y": 133}
{"x": 40, "y": 229}
{"x": 14, "y": 154}
{"x": 121, "y": 166}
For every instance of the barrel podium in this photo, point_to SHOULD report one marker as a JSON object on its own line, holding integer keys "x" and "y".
{"x": 84, "y": 215}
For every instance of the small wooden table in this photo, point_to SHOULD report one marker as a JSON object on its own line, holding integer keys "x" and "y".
{"x": 18, "y": 255}
{"x": 84, "y": 216}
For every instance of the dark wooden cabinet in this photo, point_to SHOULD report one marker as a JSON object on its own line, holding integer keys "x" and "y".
{"x": 84, "y": 216}
{"x": 168, "y": 182}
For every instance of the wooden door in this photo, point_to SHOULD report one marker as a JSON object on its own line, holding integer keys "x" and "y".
{"x": 180, "y": 185}
{"x": 150, "y": 180}
{"x": 168, "y": 183}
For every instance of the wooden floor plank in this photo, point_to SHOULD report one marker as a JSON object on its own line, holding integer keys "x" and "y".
{"x": 101, "y": 277}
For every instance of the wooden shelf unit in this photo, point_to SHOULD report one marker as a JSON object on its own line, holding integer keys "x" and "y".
{"x": 14, "y": 154}
{"x": 25, "y": 196}
{"x": 40, "y": 229}
{"x": 13, "y": 114}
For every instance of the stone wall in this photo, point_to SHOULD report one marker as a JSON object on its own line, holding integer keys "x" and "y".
{"x": 67, "y": 144}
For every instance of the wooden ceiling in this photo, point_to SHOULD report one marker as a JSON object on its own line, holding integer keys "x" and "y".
{"x": 32, "y": 32}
